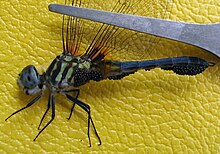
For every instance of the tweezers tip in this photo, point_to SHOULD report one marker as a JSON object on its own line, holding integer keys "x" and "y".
{"x": 52, "y": 7}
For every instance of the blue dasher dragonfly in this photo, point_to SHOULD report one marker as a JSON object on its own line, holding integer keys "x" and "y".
{"x": 95, "y": 51}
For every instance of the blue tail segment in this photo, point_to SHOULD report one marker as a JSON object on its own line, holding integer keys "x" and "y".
{"x": 180, "y": 65}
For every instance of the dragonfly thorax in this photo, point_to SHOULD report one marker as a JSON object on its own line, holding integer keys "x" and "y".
{"x": 67, "y": 70}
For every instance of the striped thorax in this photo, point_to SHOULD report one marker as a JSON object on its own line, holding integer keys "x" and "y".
{"x": 62, "y": 71}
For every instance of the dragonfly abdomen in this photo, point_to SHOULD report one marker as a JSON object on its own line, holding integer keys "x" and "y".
{"x": 180, "y": 65}
{"x": 184, "y": 65}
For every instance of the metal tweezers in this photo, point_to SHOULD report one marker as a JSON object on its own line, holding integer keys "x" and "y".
{"x": 205, "y": 36}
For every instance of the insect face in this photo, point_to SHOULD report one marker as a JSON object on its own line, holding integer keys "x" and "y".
{"x": 29, "y": 80}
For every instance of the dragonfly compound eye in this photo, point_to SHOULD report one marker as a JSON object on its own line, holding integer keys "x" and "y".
{"x": 29, "y": 77}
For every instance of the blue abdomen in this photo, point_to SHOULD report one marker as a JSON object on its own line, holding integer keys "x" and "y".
{"x": 180, "y": 65}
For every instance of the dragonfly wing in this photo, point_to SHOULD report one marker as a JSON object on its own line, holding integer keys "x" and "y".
{"x": 101, "y": 41}
{"x": 72, "y": 30}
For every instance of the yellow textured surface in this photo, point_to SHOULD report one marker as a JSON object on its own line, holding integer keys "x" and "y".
{"x": 154, "y": 111}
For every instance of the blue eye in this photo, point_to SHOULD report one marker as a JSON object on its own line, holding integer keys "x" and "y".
{"x": 29, "y": 77}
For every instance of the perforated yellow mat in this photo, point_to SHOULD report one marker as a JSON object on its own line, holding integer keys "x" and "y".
{"x": 148, "y": 112}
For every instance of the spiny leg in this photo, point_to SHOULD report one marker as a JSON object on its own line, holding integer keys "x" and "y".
{"x": 28, "y": 105}
{"x": 48, "y": 107}
{"x": 86, "y": 107}
{"x": 51, "y": 100}
{"x": 77, "y": 95}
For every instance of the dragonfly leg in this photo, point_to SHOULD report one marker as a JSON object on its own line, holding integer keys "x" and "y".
{"x": 48, "y": 107}
{"x": 51, "y": 100}
{"x": 86, "y": 108}
{"x": 28, "y": 105}
{"x": 71, "y": 111}
{"x": 77, "y": 95}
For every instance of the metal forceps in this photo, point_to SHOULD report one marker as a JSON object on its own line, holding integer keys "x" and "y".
{"x": 205, "y": 36}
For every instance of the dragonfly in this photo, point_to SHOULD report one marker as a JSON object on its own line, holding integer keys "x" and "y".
{"x": 92, "y": 54}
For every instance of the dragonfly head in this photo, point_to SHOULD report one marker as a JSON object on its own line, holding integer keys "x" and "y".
{"x": 30, "y": 80}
